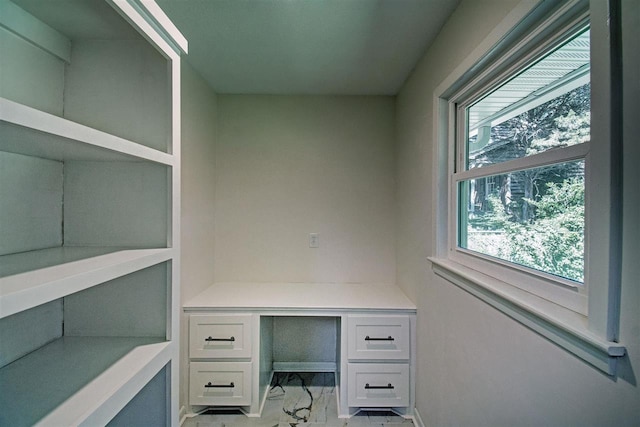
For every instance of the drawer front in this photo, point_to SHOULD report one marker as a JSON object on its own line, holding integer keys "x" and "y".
{"x": 220, "y": 383}
{"x": 379, "y": 337}
{"x": 378, "y": 385}
{"x": 220, "y": 336}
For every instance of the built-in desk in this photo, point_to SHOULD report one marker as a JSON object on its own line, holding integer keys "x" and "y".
{"x": 231, "y": 335}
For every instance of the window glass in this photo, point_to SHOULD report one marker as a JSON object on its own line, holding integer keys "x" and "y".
{"x": 544, "y": 107}
{"x": 532, "y": 217}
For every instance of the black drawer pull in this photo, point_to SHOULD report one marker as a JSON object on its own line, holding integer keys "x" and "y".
{"x": 389, "y": 338}
{"x": 220, "y": 339}
{"x": 385, "y": 387}
{"x": 209, "y": 385}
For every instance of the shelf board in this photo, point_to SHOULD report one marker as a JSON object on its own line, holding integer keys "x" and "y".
{"x": 29, "y": 279}
{"x": 25, "y": 130}
{"x": 78, "y": 380}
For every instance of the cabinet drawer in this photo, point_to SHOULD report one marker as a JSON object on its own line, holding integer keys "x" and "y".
{"x": 220, "y": 383}
{"x": 378, "y": 384}
{"x": 220, "y": 336}
{"x": 379, "y": 337}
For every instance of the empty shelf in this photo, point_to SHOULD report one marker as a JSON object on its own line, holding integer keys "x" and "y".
{"x": 78, "y": 380}
{"x": 29, "y": 279}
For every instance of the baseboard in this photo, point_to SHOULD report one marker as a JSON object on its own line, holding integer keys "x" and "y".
{"x": 304, "y": 367}
{"x": 182, "y": 415}
{"x": 417, "y": 419}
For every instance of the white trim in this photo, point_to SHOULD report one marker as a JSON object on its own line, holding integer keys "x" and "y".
{"x": 166, "y": 28}
{"x": 556, "y": 289}
{"x": 417, "y": 419}
{"x": 144, "y": 24}
{"x": 182, "y": 414}
{"x": 546, "y": 158}
{"x": 304, "y": 367}
{"x": 594, "y": 337}
{"x": 564, "y": 327}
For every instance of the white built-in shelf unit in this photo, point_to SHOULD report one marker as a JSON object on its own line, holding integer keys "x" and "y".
{"x": 89, "y": 215}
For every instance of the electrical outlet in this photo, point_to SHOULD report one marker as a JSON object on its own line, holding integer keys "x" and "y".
{"x": 314, "y": 240}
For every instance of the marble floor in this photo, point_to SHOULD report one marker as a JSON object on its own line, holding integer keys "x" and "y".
{"x": 298, "y": 399}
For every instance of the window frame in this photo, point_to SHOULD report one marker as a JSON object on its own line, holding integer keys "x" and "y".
{"x": 582, "y": 319}
{"x": 559, "y": 290}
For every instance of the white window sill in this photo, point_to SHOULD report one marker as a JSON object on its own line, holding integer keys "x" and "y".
{"x": 564, "y": 327}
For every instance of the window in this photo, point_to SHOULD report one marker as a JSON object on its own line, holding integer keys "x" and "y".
{"x": 519, "y": 179}
{"x": 530, "y": 175}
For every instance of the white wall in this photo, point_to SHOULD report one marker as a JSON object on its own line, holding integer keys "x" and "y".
{"x": 199, "y": 118}
{"x": 478, "y": 367}
{"x": 287, "y": 166}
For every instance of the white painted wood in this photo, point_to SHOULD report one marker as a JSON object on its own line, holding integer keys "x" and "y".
{"x": 29, "y": 330}
{"x": 31, "y": 208}
{"x": 149, "y": 407}
{"x": 49, "y": 274}
{"x": 78, "y": 380}
{"x": 120, "y": 87}
{"x": 29, "y": 75}
{"x": 116, "y": 204}
{"x": 174, "y": 233}
{"x": 34, "y": 31}
{"x": 379, "y": 337}
{"x": 289, "y": 297}
{"x": 369, "y": 305}
{"x": 341, "y": 374}
{"x": 364, "y": 375}
{"x": 203, "y": 329}
{"x": 564, "y": 327}
{"x": 119, "y": 147}
{"x": 145, "y": 23}
{"x": 131, "y": 305}
{"x": 304, "y": 367}
{"x": 26, "y": 130}
{"x": 235, "y": 376}
{"x": 545, "y": 158}
{"x": 172, "y": 35}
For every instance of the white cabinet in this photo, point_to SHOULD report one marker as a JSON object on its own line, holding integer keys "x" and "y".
{"x": 221, "y": 359}
{"x": 378, "y": 385}
{"x": 220, "y": 383}
{"x": 379, "y": 337}
{"x": 235, "y": 331}
{"x": 220, "y": 336}
{"x": 379, "y": 360}
{"x": 89, "y": 220}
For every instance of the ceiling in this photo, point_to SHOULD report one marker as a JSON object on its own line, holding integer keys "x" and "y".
{"x": 335, "y": 47}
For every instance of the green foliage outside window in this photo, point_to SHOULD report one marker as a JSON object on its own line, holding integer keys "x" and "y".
{"x": 553, "y": 241}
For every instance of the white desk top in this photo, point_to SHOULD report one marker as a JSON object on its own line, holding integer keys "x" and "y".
{"x": 300, "y": 296}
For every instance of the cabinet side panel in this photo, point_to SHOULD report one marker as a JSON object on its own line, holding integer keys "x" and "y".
{"x": 29, "y": 75}
{"x": 132, "y": 305}
{"x": 115, "y": 204}
{"x": 266, "y": 356}
{"x": 29, "y": 330}
{"x": 31, "y": 207}
{"x": 119, "y": 87}
{"x": 148, "y": 407}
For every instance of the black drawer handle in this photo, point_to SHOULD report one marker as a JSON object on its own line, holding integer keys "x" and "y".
{"x": 220, "y": 339}
{"x": 209, "y": 385}
{"x": 389, "y": 338}
{"x": 385, "y": 387}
